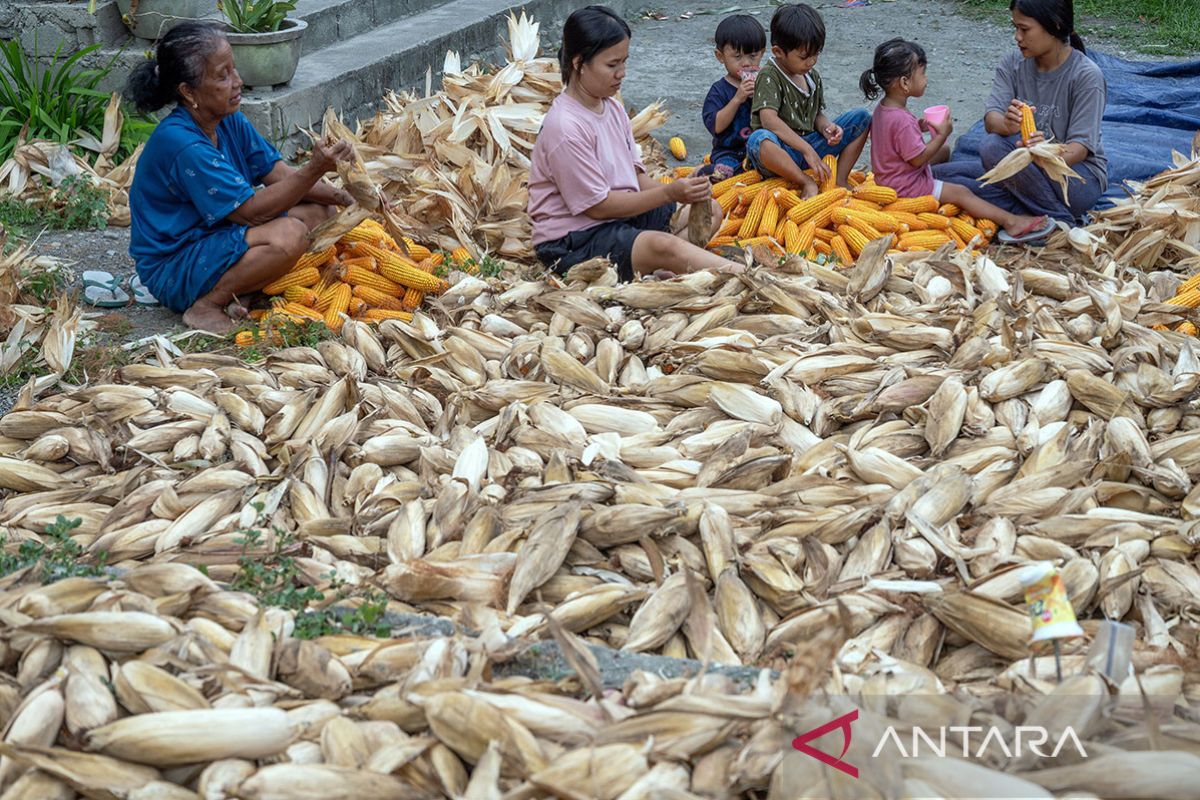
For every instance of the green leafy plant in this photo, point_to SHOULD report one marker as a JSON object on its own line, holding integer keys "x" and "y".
{"x": 365, "y": 619}
{"x": 256, "y": 16}
{"x": 56, "y": 101}
{"x": 58, "y": 555}
{"x": 77, "y": 204}
{"x": 274, "y": 577}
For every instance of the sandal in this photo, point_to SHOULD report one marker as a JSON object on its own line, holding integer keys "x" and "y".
{"x": 141, "y": 295}
{"x": 1035, "y": 233}
{"x": 102, "y": 290}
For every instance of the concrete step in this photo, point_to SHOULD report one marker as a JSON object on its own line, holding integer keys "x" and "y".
{"x": 331, "y": 21}
{"x": 352, "y": 75}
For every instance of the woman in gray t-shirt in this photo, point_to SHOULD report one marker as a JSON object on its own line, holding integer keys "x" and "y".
{"x": 1050, "y": 72}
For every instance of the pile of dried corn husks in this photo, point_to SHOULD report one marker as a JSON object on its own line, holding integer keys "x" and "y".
{"x": 798, "y": 466}
{"x": 34, "y": 336}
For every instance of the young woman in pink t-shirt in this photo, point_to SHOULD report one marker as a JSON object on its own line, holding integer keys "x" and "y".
{"x": 589, "y": 194}
{"x": 900, "y": 156}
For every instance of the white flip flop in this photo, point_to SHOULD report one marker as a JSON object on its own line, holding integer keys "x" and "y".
{"x": 102, "y": 290}
{"x": 141, "y": 295}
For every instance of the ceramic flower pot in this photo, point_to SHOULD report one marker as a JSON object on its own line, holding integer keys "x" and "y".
{"x": 268, "y": 59}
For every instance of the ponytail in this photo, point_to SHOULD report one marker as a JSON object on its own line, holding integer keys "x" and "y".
{"x": 1077, "y": 42}
{"x": 894, "y": 59}
{"x": 180, "y": 58}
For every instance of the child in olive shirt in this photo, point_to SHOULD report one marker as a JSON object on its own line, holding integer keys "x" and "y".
{"x": 790, "y": 126}
{"x": 740, "y": 41}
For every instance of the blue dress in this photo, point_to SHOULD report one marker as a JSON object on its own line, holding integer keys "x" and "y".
{"x": 183, "y": 190}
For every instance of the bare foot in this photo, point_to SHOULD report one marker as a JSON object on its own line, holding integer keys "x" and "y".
{"x": 732, "y": 268}
{"x": 1019, "y": 225}
{"x": 209, "y": 317}
{"x": 236, "y": 310}
{"x": 663, "y": 275}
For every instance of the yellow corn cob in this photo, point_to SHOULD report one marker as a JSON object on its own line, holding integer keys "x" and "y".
{"x": 683, "y": 172}
{"x": 678, "y": 148}
{"x": 854, "y": 239}
{"x": 780, "y": 234}
{"x": 301, "y": 295}
{"x": 874, "y": 193}
{"x": 376, "y": 298}
{"x": 297, "y": 277}
{"x": 934, "y": 220}
{"x": 754, "y": 216}
{"x": 730, "y": 226}
{"x": 358, "y": 307}
{"x": 822, "y": 248}
{"x": 434, "y": 261}
{"x": 767, "y": 186}
{"x": 857, "y": 177}
{"x": 400, "y": 270}
{"x": 959, "y": 242}
{"x": 967, "y": 218}
{"x": 831, "y": 181}
{"x": 1187, "y": 328}
{"x": 923, "y": 240}
{"x": 965, "y": 230}
{"x": 1187, "y": 299}
{"x": 745, "y": 178}
{"x": 318, "y": 259}
{"x": 417, "y": 252}
{"x": 365, "y": 262}
{"x": 949, "y": 210}
{"x": 822, "y": 234}
{"x": 460, "y": 254}
{"x": 879, "y": 221}
{"x": 412, "y": 299}
{"x": 380, "y": 314}
{"x": 841, "y": 250}
{"x": 728, "y": 201}
{"x": 1028, "y": 125}
{"x": 708, "y": 159}
{"x": 296, "y": 310}
{"x": 244, "y": 338}
{"x": 787, "y": 199}
{"x": 665, "y": 179}
{"x": 326, "y": 298}
{"x": 259, "y": 314}
{"x": 824, "y": 217}
{"x": 914, "y": 204}
{"x": 1190, "y": 283}
{"x": 357, "y": 276}
{"x": 770, "y": 217}
{"x": 862, "y": 226}
{"x": 369, "y": 234}
{"x": 913, "y": 222}
{"x": 805, "y": 234}
{"x": 339, "y": 305}
{"x": 791, "y": 236}
{"x": 863, "y": 205}
{"x": 809, "y": 208}
{"x": 754, "y": 241}
{"x": 988, "y": 227}
{"x": 721, "y": 241}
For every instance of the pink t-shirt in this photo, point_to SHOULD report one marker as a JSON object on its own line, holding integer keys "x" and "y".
{"x": 895, "y": 138}
{"x": 579, "y": 157}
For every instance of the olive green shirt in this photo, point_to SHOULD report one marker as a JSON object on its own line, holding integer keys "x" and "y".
{"x": 797, "y": 110}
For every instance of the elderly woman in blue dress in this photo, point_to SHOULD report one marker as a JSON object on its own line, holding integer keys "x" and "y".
{"x": 202, "y": 236}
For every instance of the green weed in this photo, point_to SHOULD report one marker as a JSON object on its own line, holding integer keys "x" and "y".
{"x": 77, "y": 204}
{"x": 365, "y": 619}
{"x": 58, "y": 555}
{"x": 272, "y": 578}
{"x": 1164, "y": 27}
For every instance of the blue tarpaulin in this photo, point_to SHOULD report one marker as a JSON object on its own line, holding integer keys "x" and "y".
{"x": 1153, "y": 108}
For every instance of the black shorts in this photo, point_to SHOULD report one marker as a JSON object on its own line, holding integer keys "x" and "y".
{"x": 613, "y": 239}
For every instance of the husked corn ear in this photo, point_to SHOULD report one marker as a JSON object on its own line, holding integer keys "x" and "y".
{"x": 988, "y": 227}
{"x": 809, "y": 208}
{"x": 914, "y": 204}
{"x": 874, "y": 193}
{"x": 862, "y": 205}
{"x": 708, "y": 159}
{"x": 1028, "y": 124}
{"x": 923, "y": 240}
{"x": 965, "y": 230}
{"x": 877, "y": 220}
{"x": 841, "y": 250}
{"x": 791, "y": 236}
{"x": 678, "y": 148}
{"x": 780, "y": 233}
{"x": 754, "y": 241}
{"x": 357, "y": 276}
{"x": 822, "y": 234}
{"x": 965, "y": 217}
{"x": 722, "y": 241}
{"x": 959, "y": 242}
{"x": 358, "y": 307}
{"x": 754, "y": 216}
{"x": 417, "y": 252}
{"x": 728, "y": 202}
{"x": 363, "y": 262}
{"x": 318, "y": 259}
{"x": 302, "y": 312}
{"x": 379, "y": 299}
{"x": 949, "y": 210}
{"x": 934, "y": 220}
{"x": 665, "y": 179}
{"x": 730, "y": 226}
{"x": 683, "y": 172}
{"x": 745, "y": 179}
{"x": 399, "y": 270}
{"x": 339, "y": 304}
{"x": 768, "y": 186}
{"x": 412, "y": 299}
{"x": 770, "y": 218}
{"x": 824, "y": 217}
{"x": 380, "y": 314}
{"x": 460, "y": 254}
{"x": 831, "y": 163}
{"x": 369, "y": 234}
{"x": 259, "y": 313}
{"x": 1186, "y": 328}
{"x": 822, "y": 247}
{"x": 1188, "y": 299}
{"x": 857, "y": 177}
{"x": 298, "y": 277}
{"x": 862, "y": 226}
{"x": 786, "y": 199}
{"x": 805, "y": 234}
{"x": 301, "y": 295}
{"x": 325, "y": 298}
{"x": 1191, "y": 283}
{"x": 913, "y": 222}
{"x": 854, "y": 239}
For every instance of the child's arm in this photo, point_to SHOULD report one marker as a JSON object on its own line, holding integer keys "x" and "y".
{"x": 725, "y": 116}
{"x": 940, "y": 135}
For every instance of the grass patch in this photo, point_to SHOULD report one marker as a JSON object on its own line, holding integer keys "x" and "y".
{"x": 1155, "y": 27}
{"x": 77, "y": 204}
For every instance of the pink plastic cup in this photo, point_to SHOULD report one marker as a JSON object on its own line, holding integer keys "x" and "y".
{"x": 936, "y": 115}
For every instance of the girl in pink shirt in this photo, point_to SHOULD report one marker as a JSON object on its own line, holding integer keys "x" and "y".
{"x": 900, "y": 156}
{"x": 589, "y": 194}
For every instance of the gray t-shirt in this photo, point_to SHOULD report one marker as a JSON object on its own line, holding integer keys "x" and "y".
{"x": 1070, "y": 101}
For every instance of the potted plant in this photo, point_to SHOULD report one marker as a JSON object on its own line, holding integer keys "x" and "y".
{"x": 265, "y": 40}
{"x": 151, "y": 19}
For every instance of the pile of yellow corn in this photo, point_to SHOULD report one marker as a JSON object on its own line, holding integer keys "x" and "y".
{"x": 838, "y": 223}
{"x": 366, "y": 276}
{"x": 1188, "y": 296}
